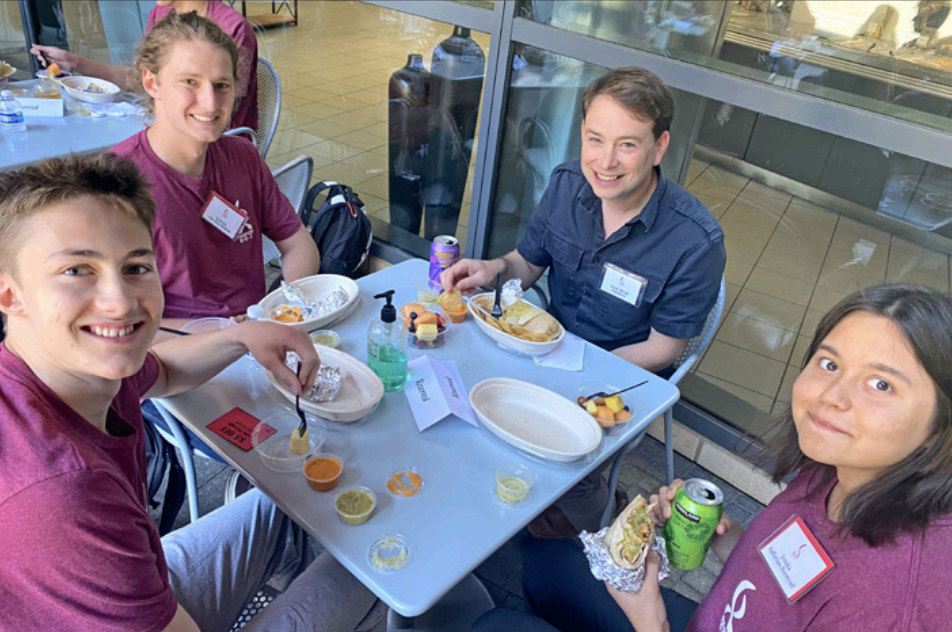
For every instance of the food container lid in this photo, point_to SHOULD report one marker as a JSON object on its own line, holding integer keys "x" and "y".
{"x": 389, "y": 553}
{"x": 406, "y": 483}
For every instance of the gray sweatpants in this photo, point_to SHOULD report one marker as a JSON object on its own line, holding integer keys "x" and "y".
{"x": 218, "y": 563}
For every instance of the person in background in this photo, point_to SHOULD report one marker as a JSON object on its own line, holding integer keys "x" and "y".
{"x": 80, "y": 290}
{"x": 230, "y": 21}
{"x": 634, "y": 260}
{"x": 868, "y": 439}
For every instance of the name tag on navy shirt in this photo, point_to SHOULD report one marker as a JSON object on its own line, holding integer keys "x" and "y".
{"x": 795, "y": 558}
{"x": 621, "y": 283}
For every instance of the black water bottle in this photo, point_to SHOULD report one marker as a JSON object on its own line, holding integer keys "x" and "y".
{"x": 409, "y": 94}
{"x": 456, "y": 83}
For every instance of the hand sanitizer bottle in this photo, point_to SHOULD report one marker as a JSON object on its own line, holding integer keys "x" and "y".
{"x": 387, "y": 346}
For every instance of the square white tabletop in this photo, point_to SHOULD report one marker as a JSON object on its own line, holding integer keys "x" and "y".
{"x": 454, "y": 523}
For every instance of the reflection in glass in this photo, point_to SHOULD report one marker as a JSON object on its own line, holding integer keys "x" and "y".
{"x": 361, "y": 107}
{"x": 889, "y": 57}
{"x": 863, "y": 53}
{"x": 873, "y": 216}
{"x": 432, "y": 129}
{"x": 679, "y": 29}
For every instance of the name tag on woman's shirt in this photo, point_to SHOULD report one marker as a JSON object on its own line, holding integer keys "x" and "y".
{"x": 621, "y": 283}
{"x": 795, "y": 558}
{"x": 224, "y": 216}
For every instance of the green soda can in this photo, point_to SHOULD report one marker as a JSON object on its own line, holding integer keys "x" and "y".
{"x": 695, "y": 512}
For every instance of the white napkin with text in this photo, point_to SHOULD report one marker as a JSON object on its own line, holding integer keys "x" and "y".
{"x": 569, "y": 355}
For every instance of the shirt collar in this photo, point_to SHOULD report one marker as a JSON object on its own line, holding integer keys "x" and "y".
{"x": 648, "y": 215}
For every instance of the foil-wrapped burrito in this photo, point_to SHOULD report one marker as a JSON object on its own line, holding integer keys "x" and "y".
{"x": 617, "y": 554}
{"x": 296, "y": 308}
{"x": 326, "y": 384}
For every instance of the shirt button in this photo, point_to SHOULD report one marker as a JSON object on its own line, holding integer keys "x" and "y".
{"x": 595, "y": 259}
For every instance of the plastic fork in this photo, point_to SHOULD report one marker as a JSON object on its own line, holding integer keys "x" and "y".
{"x": 297, "y": 405}
{"x": 497, "y": 309}
{"x": 607, "y": 395}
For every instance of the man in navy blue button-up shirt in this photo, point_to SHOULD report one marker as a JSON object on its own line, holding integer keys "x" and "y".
{"x": 635, "y": 261}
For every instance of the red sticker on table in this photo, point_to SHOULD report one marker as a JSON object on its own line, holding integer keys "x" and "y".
{"x": 236, "y": 426}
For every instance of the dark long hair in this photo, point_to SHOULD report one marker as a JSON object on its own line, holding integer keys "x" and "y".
{"x": 910, "y": 493}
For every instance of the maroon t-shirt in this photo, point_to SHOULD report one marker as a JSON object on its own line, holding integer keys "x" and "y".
{"x": 80, "y": 551}
{"x": 897, "y": 588}
{"x": 234, "y": 24}
{"x": 205, "y": 272}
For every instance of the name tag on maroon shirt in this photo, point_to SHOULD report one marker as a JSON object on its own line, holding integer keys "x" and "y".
{"x": 224, "y": 216}
{"x": 795, "y": 558}
{"x": 236, "y": 426}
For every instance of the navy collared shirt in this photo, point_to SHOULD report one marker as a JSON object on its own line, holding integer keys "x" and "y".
{"x": 675, "y": 243}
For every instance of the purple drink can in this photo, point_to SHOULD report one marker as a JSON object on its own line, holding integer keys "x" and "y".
{"x": 443, "y": 253}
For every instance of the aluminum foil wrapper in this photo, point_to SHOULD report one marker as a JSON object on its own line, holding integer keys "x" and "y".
{"x": 291, "y": 360}
{"x": 311, "y": 311}
{"x": 330, "y": 303}
{"x": 326, "y": 384}
{"x": 511, "y": 293}
{"x": 604, "y": 568}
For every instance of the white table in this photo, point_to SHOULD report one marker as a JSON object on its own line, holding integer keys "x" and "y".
{"x": 49, "y": 137}
{"x": 455, "y": 523}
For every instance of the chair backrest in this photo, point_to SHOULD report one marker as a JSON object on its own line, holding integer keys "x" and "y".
{"x": 269, "y": 109}
{"x": 294, "y": 179}
{"x": 269, "y": 105}
{"x": 697, "y": 344}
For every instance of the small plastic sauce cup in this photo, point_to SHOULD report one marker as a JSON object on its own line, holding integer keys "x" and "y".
{"x": 326, "y": 338}
{"x": 513, "y": 482}
{"x": 457, "y": 316}
{"x": 323, "y": 472}
{"x": 354, "y": 505}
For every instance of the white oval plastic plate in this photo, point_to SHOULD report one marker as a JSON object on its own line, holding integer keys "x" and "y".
{"x": 74, "y": 88}
{"x": 507, "y": 340}
{"x": 360, "y": 389}
{"x": 535, "y": 419}
{"x": 314, "y": 289}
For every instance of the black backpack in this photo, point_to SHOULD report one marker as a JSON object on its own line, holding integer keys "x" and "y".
{"x": 340, "y": 228}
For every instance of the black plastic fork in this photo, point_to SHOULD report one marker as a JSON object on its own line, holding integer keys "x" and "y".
{"x": 497, "y": 308}
{"x": 297, "y": 405}
{"x": 606, "y": 395}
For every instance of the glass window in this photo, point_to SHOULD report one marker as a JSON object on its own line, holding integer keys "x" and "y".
{"x": 892, "y": 57}
{"x": 861, "y": 216}
{"x": 683, "y": 29}
{"x": 390, "y": 106}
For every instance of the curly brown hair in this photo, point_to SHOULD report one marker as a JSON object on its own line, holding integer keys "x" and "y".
{"x": 173, "y": 28}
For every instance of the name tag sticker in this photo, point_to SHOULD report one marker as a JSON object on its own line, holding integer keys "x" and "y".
{"x": 795, "y": 558}
{"x": 224, "y": 215}
{"x": 236, "y": 426}
{"x": 621, "y": 283}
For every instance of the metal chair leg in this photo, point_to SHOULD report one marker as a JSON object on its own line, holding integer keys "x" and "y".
{"x": 669, "y": 444}
{"x": 185, "y": 452}
{"x": 613, "y": 478}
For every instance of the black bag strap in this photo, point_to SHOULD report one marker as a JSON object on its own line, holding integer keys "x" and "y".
{"x": 312, "y": 195}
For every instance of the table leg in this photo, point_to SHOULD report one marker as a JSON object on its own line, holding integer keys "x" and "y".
{"x": 455, "y": 612}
